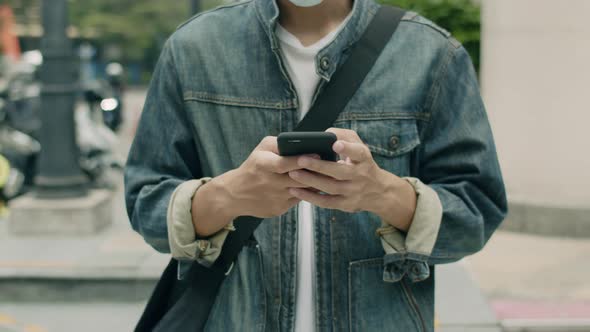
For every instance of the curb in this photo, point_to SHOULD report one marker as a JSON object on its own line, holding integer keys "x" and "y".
{"x": 71, "y": 289}
{"x": 539, "y": 325}
{"x": 542, "y": 315}
{"x": 547, "y": 220}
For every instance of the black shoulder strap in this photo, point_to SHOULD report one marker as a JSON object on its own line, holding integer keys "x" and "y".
{"x": 336, "y": 95}
{"x": 348, "y": 78}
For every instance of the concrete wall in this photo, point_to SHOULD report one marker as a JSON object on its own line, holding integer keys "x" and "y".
{"x": 536, "y": 85}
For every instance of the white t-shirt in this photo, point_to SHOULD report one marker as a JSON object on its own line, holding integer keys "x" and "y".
{"x": 300, "y": 63}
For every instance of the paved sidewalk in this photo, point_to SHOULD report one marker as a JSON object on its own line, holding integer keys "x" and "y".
{"x": 114, "y": 256}
{"x": 534, "y": 277}
{"x": 524, "y": 276}
{"x": 46, "y": 265}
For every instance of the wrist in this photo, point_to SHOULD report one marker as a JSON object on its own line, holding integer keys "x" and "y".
{"x": 212, "y": 207}
{"x": 397, "y": 202}
{"x": 377, "y": 203}
{"x": 224, "y": 187}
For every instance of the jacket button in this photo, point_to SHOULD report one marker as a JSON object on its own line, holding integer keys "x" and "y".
{"x": 325, "y": 63}
{"x": 416, "y": 269}
{"x": 393, "y": 141}
{"x": 203, "y": 244}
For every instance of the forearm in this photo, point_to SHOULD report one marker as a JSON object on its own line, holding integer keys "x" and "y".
{"x": 397, "y": 203}
{"x": 406, "y": 250}
{"x": 212, "y": 206}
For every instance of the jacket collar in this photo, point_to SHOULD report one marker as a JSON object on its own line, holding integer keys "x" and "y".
{"x": 328, "y": 58}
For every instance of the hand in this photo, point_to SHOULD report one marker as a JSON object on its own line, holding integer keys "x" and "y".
{"x": 352, "y": 184}
{"x": 260, "y": 186}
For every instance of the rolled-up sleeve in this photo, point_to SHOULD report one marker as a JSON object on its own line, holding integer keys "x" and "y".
{"x": 461, "y": 198}
{"x": 184, "y": 243}
{"x": 163, "y": 154}
{"x": 420, "y": 239}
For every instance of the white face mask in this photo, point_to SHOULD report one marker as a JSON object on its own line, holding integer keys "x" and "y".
{"x": 306, "y": 3}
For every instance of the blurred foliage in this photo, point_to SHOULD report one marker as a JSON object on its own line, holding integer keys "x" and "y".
{"x": 19, "y": 6}
{"x": 460, "y": 17}
{"x": 138, "y": 28}
{"x": 134, "y": 26}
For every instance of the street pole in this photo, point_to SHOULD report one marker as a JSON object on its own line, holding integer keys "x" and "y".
{"x": 59, "y": 174}
{"x": 195, "y": 6}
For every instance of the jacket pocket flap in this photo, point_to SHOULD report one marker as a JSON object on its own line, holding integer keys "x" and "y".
{"x": 389, "y": 137}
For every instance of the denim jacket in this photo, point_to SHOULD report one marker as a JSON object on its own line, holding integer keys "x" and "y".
{"x": 220, "y": 86}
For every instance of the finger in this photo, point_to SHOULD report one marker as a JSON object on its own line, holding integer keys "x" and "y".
{"x": 355, "y": 151}
{"x": 348, "y": 135}
{"x": 287, "y": 164}
{"x": 324, "y": 201}
{"x": 269, "y": 143}
{"x": 272, "y": 162}
{"x": 324, "y": 183}
{"x": 285, "y": 181}
{"x": 345, "y": 161}
{"x": 339, "y": 171}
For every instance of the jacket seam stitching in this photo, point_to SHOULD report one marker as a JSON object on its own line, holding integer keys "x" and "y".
{"x": 184, "y": 112}
{"x": 261, "y": 21}
{"x": 434, "y": 92}
{"x": 229, "y": 101}
{"x": 424, "y": 116}
{"x": 435, "y": 88}
{"x": 173, "y": 63}
{"x": 349, "y": 297}
{"x": 432, "y": 26}
{"x": 181, "y": 25}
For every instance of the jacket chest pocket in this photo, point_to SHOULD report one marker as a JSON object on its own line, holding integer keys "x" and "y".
{"x": 390, "y": 141}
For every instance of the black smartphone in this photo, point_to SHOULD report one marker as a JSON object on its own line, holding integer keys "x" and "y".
{"x": 293, "y": 143}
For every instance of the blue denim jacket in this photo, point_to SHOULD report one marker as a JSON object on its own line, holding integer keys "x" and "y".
{"x": 220, "y": 86}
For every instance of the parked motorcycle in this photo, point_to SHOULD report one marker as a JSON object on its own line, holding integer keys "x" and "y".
{"x": 113, "y": 107}
{"x": 20, "y": 125}
{"x": 105, "y": 97}
{"x": 98, "y": 150}
{"x": 21, "y": 90}
{"x": 11, "y": 183}
{"x": 18, "y": 157}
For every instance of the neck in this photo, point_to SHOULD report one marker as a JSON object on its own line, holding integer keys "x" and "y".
{"x": 310, "y": 24}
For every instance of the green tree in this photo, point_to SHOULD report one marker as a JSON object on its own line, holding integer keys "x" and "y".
{"x": 460, "y": 17}
{"x": 137, "y": 28}
{"x": 134, "y": 26}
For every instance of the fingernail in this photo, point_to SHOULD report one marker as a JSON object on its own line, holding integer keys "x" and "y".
{"x": 316, "y": 156}
{"x": 338, "y": 146}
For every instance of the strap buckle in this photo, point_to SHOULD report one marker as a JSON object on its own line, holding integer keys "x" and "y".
{"x": 229, "y": 269}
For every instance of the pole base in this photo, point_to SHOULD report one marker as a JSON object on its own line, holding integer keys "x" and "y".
{"x": 86, "y": 215}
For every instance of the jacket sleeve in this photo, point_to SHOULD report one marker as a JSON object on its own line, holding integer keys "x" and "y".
{"x": 461, "y": 194}
{"x": 184, "y": 243}
{"x": 401, "y": 247}
{"x": 163, "y": 168}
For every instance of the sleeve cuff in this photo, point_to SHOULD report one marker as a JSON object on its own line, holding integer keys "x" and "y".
{"x": 185, "y": 246}
{"x": 407, "y": 254}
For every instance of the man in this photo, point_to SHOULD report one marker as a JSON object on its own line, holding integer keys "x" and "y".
{"x": 418, "y": 181}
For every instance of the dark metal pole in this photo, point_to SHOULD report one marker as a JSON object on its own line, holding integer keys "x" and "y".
{"x": 59, "y": 169}
{"x": 195, "y": 6}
